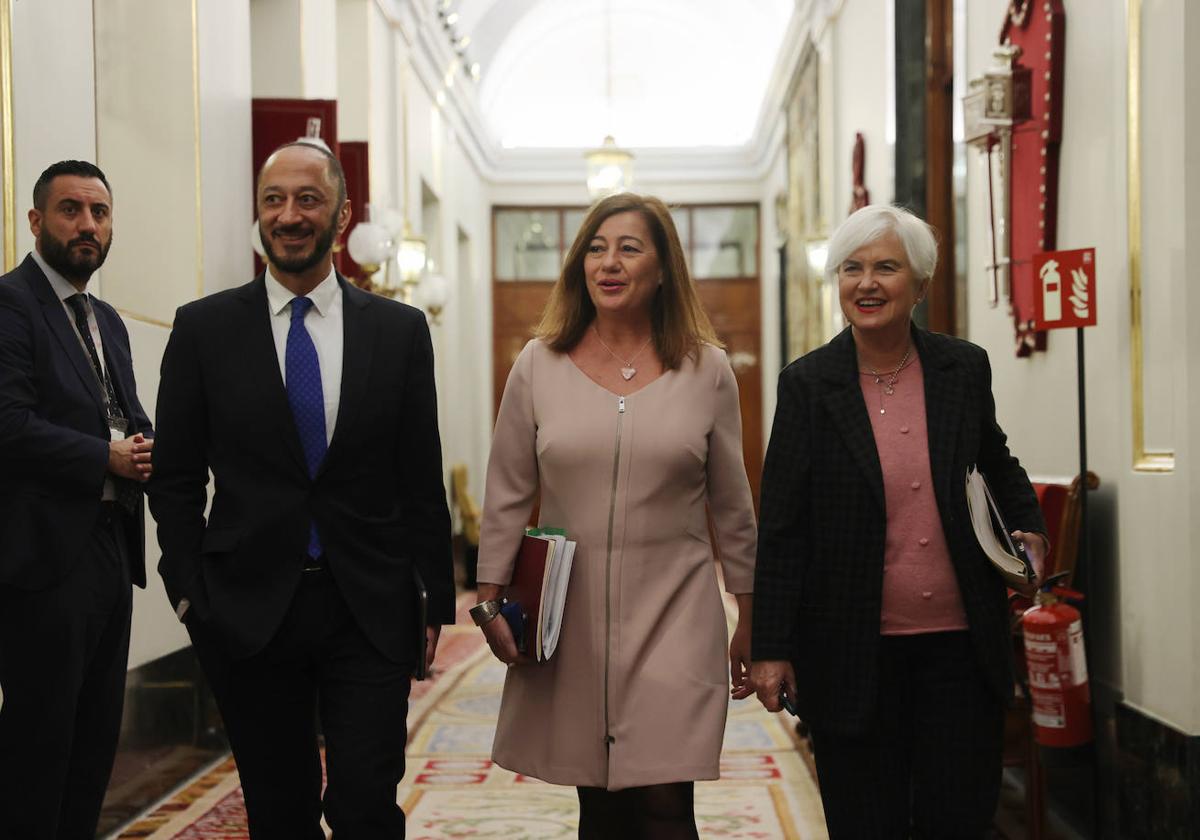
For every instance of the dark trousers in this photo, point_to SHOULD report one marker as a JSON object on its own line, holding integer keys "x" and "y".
{"x": 63, "y": 655}
{"x": 930, "y": 766}
{"x": 319, "y": 664}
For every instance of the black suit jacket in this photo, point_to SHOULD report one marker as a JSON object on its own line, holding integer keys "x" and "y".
{"x": 378, "y": 498}
{"x": 53, "y": 432}
{"x": 819, "y": 576}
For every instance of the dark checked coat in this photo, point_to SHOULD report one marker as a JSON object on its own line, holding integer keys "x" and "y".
{"x": 819, "y": 574}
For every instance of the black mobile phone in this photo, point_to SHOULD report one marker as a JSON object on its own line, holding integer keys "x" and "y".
{"x": 786, "y": 701}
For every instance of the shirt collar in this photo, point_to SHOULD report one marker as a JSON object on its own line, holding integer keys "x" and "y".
{"x": 323, "y": 296}
{"x": 61, "y": 285}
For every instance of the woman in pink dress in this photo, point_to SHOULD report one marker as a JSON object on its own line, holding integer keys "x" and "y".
{"x": 621, "y": 418}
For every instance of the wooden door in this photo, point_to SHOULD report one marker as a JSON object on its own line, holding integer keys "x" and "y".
{"x": 733, "y": 306}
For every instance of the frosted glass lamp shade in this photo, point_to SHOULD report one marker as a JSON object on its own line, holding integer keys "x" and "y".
{"x": 434, "y": 291}
{"x": 369, "y": 243}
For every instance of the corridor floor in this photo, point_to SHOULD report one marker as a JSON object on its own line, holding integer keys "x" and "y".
{"x": 452, "y": 789}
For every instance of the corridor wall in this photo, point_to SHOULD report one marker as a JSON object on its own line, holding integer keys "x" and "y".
{"x": 159, "y": 96}
{"x": 1153, "y": 542}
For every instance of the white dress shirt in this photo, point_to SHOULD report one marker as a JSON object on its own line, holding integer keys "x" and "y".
{"x": 324, "y": 324}
{"x": 63, "y": 288}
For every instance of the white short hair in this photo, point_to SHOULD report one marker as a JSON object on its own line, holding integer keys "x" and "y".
{"x": 873, "y": 221}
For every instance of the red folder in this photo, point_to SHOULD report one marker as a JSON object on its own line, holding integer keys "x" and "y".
{"x": 529, "y": 575}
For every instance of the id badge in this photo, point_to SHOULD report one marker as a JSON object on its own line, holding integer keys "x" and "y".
{"x": 117, "y": 427}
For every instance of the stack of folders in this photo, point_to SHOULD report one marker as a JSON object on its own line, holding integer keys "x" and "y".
{"x": 993, "y": 534}
{"x": 534, "y": 600}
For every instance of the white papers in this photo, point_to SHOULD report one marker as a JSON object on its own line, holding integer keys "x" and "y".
{"x": 1012, "y": 564}
{"x": 554, "y": 595}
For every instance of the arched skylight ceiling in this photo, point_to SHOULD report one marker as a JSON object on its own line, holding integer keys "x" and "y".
{"x": 684, "y": 72}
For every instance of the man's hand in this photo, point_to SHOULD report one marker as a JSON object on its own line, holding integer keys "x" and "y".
{"x": 432, "y": 633}
{"x": 130, "y": 458}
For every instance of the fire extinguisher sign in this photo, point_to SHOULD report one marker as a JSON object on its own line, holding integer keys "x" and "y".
{"x": 1065, "y": 289}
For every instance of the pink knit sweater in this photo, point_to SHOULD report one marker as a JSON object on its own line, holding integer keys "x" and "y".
{"x": 920, "y": 589}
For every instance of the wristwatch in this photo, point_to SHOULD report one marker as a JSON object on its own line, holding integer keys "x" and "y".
{"x": 484, "y": 611}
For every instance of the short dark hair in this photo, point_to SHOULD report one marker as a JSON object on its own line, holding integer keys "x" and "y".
{"x": 334, "y": 166}
{"x": 65, "y": 167}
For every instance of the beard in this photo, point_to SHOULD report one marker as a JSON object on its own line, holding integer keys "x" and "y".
{"x": 74, "y": 265}
{"x": 322, "y": 243}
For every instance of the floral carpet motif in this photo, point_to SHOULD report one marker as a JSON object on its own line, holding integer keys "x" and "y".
{"x": 453, "y": 790}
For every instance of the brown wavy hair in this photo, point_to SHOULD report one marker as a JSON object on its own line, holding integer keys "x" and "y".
{"x": 678, "y": 320}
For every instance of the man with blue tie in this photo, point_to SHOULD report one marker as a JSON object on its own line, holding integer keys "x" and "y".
{"x": 312, "y": 403}
{"x": 75, "y": 448}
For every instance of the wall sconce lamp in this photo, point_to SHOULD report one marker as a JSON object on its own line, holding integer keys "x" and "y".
{"x": 434, "y": 293}
{"x": 997, "y": 103}
{"x": 376, "y": 243}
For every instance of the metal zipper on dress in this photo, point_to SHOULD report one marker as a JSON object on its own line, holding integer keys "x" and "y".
{"x": 612, "y": 511}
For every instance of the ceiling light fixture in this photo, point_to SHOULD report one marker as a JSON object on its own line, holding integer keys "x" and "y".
{"x": 609, "y": 167}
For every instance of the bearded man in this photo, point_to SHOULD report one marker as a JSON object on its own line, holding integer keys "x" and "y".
{"x": 75, "y": 448}
{"x": 312, "y": 404}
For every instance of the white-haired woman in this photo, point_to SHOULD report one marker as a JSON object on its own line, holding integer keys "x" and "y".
{"x": 875, "y": 608}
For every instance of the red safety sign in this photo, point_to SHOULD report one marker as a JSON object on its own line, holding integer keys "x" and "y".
{"x": 1064, "y": 289}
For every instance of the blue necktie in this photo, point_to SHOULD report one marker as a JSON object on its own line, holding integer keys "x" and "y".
{"x": 306, "y": 399}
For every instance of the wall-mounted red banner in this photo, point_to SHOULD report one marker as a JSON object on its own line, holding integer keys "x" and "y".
{"x": 1038, "y": 27}
{"x": 1064, "y": 289}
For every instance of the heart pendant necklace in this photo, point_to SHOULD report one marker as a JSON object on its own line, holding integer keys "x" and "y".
{"x": 628, "y": 371}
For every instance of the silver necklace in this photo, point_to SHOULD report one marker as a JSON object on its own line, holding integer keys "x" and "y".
{"x": 628, "y": 371}
{"x": 890, "y": 387}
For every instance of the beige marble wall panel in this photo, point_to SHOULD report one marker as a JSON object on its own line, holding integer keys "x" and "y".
{"x": 384, "y": 124}
{"x": 148, "y": 142}
{"x": 53, "y": 103}
{"x": 354, "y": 69}
{"x": 227, "y": 182}
{"x": 1191, "y": 310}
{"x": 295, "y": 48}
{"x": 1164, "y": 269}
{"x": 277, "y": 58}
{"x": 156, "y": 630}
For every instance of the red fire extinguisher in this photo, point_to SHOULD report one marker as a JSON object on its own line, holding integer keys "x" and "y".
{"x": 1058, "y": 677}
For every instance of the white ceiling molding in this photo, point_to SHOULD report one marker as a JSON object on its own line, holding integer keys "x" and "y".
{"x": 418, "y": 23}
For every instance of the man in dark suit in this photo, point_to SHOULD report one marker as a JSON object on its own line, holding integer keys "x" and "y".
{"x": 75, "y": 447}
{"x": 312, "y": 403}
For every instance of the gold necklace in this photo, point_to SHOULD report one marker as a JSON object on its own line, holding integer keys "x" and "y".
{"x": 890, "y": 388}
{"x": 628, "y": 371}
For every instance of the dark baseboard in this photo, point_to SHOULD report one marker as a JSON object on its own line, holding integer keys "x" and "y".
{"x": 1157, "y": 778}
{"x": 170, "y": 730}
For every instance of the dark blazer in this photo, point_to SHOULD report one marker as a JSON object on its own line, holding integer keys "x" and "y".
{"x": 53, "y": 433}
{"x": 378, "y": 498}
{"x": 819, "y": 576}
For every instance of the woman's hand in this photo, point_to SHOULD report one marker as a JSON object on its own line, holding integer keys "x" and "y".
{"x": 500, "y": 639}
{"x": 739, "y": 651}
{"x": 496, "y": 632}
{"x": 767, "y": 678}
{"x": 1036, "y": 547}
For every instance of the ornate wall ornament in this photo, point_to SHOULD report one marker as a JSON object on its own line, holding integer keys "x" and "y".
{"x": 1038, "y": 28}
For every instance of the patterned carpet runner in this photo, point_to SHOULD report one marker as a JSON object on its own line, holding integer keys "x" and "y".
{"x": 452, "y": 789}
